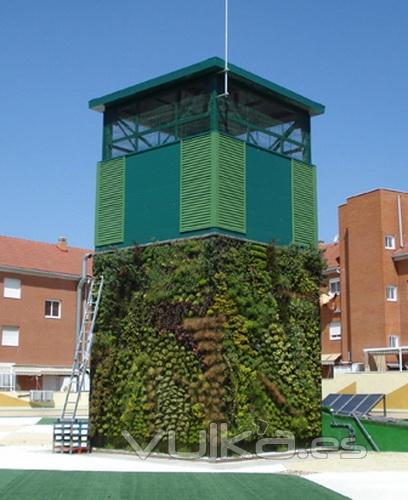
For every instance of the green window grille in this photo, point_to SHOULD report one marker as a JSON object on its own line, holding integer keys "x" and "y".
{"x": 304, "y": 203}
{"x": 212, "y": 188}
{"x": 195, "y": 184}
{"x": 110, "y": 202}
{"x": 231, "y": 184}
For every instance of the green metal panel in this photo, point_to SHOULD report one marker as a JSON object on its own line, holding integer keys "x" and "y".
{"x": 304, "y": 203}
{"x": 231, "y": 184}
{"x": 152, "y": 195}
{"x": 197, "y": 184}
{"x": 110, "y": 200}
{"x": 206, "y": 184}
{"x": 268, "y": 192}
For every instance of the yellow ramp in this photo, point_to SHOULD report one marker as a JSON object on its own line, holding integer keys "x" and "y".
{"x": 349, "y": 389}
{"x": 398, "y": 399}
{"x": 6, "y": 400}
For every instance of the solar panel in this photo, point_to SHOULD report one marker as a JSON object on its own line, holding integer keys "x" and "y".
{"x": 353, "y": 403}
{"x": 369, "y": 403}
{"x": 342, "y": 400}
{"x": 349, "y": 404}
{"x": 328, "y": 400}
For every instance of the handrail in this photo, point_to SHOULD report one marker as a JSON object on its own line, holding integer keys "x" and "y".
{"x": 365, "y": 432}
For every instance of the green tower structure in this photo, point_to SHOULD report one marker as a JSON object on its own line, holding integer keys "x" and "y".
{"x": 205, "y": 237}
{"x": 181, "y": 159}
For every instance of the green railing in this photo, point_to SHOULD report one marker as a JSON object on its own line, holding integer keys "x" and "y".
{"x": 372, "y": 434}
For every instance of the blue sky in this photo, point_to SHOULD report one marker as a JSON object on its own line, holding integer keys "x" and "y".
{"x": 351, "y": 55}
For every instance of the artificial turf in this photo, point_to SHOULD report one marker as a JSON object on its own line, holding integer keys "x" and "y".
{"x": 33, "y": 485}
{"x": 47, "y": 421}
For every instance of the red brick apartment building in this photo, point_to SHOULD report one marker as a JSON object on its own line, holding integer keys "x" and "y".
{"x": 40, "y": 289}
{"x": 365, "y": 304}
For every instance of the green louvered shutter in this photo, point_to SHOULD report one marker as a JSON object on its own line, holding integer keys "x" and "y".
{"x": 196, "y": 184}
{"x": 231, "y": 184}
{"x": 304, "y": 203}
{"x": 110, "y": 202}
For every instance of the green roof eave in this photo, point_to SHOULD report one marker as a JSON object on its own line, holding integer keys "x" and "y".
{"x": 208, "y": 66}
{"x": 314, "y": 108}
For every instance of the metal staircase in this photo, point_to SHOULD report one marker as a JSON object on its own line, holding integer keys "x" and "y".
{"x": 70, "y": 433}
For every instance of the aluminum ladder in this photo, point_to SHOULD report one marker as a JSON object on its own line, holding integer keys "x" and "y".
{"x": 70, "y": 433}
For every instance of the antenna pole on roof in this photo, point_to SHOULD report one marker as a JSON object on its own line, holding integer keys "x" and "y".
{"x": 226, "y": 93}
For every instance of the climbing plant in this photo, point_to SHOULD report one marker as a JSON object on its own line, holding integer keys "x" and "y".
{"x": 202, "y": 331}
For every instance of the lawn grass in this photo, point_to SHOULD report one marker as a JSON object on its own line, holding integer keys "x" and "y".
{"x": 50, "y": 485}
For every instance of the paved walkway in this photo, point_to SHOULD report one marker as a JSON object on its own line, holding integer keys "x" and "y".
{"x": 340, "y": 462}
{"x": 42, "y": 458}
{"x": 365, "y": 485}
{"x": 24, "y": 431}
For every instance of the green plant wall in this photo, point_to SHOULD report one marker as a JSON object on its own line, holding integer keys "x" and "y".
{"x": 152, "y": 371}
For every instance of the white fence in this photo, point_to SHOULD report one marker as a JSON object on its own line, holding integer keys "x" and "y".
{"x": 354, "y": 368}
{"x": 41, "y": 396}
{"x": 7, "y": 380}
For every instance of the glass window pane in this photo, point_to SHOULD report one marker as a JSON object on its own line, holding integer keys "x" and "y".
{"x": 335, "y": 330}
{"x": 10, "y": 336}
{"x": 389, "y": 241}
{"x": 334, "y": 285}
{"x": 12, "y": 288}
{"x": 55, "y": 309}
{"x": 391, "y": 293}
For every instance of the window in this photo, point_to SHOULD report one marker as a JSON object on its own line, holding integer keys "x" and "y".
{"x": 184, "y": 110}
{"x": 12, "y": 288}
{"x": 391, "y": 293}
{"x": 393, "y": 341}
{"x": 389, "y": 242}
{"x": 335, "y": 330}
{"x": 10, "y": 336}
{"x": 334, "y": 285}
{"x": 53, "y": 309}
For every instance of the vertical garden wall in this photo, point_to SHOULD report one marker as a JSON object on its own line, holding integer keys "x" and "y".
{"x": 206, "y": 330}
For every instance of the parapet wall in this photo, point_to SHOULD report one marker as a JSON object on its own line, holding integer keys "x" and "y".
{"x": 393, "y": 384}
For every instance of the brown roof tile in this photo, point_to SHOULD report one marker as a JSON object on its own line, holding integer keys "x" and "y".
{"x": 331, "y": 253}
{"x": 39, "y": 256}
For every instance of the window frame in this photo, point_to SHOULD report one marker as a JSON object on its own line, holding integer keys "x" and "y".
{"x": 392, "y": 246}
{"x": 332, "y": 336}
{"x": 10, "y": 328}
{"x": 394, "y": 336}
{"x": 334, "y": 280}
{"x": 59, "y": 302}
{"x": 5, "y": 279}
{"x": 391, "y": 297}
